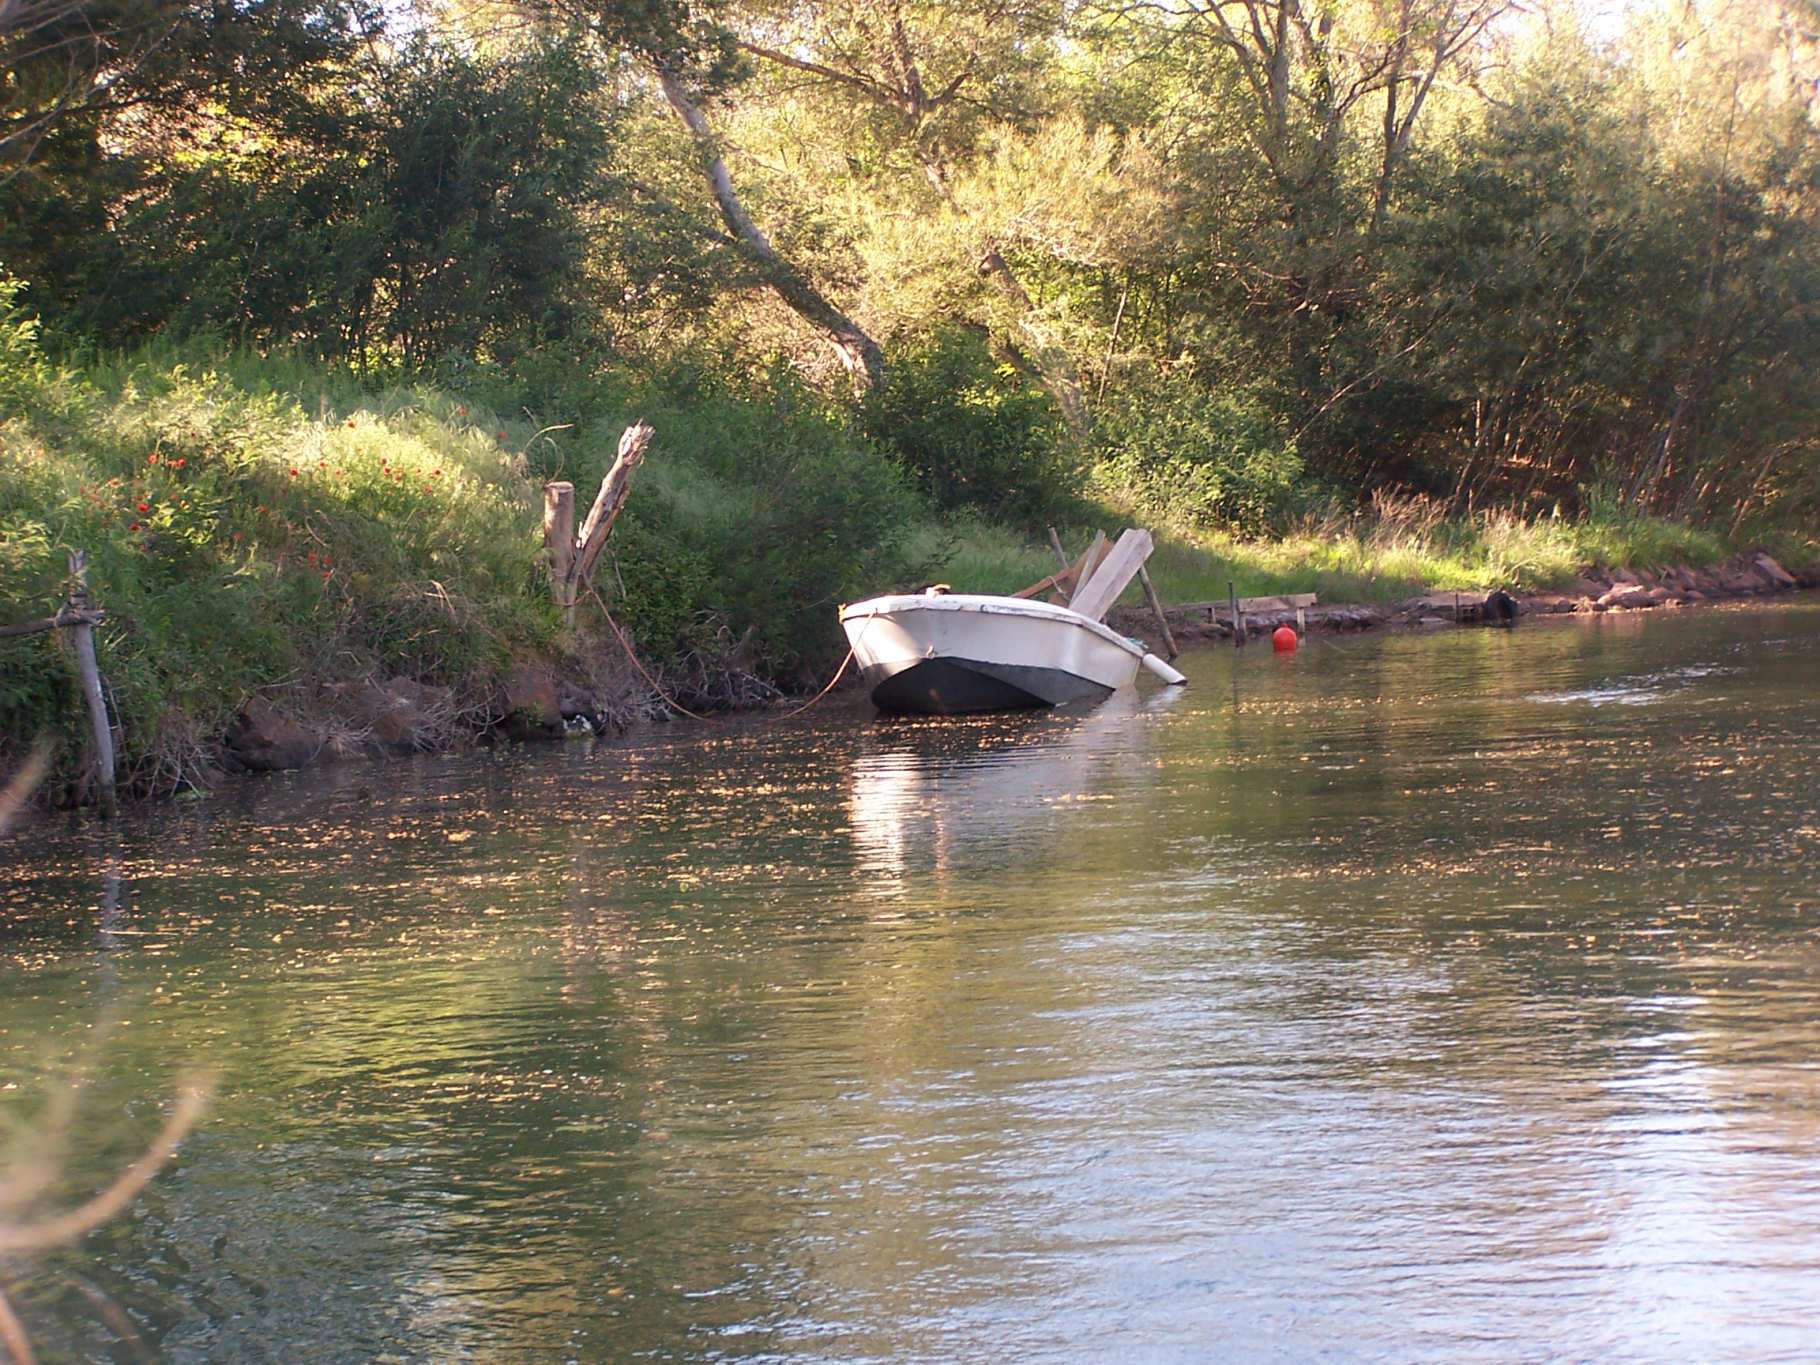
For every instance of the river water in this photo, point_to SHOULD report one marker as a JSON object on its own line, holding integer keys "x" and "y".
{"x": 1412, "y": 998}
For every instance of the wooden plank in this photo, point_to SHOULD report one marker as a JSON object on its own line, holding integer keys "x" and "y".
{"x": 1121, "y": 564}
{"x": 1256, "y": 605}
{"x": 67, "y": 616}
{"x": 1061, "y": 578}
{"x": 1083, "y": 568}
{"x": 1448, "y": 601}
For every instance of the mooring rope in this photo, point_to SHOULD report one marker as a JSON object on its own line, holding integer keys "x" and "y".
{"x": 824, "y": 692}
{"x": 626, "y": 645}
{"x": 658, "y": 687}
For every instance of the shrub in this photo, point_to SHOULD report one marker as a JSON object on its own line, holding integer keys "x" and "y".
{"x": 973, "y": 434}
{"x": 1172, "y": 454}
{"x": 756, "y": 514}
{"x": 239, "y": 543}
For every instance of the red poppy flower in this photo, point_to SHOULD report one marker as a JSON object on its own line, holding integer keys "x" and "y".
{"x": 143, "y": 507}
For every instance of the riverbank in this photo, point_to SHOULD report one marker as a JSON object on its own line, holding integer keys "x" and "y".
{"x": 288, "y": 567}
{"x": 1749, "y": 574}
{"x": 598, "y": 689}
{"x": 543, "y": 703}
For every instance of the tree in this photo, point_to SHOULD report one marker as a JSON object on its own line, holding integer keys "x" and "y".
{"x": 928, "y": 88}
{"x": 859, "y": 353}
{"x": 692, "y": 57}
{"x": 67, "y": 62}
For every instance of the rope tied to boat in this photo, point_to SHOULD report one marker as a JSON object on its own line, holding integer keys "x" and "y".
{"x": 631, "y": 654}
{"x": 824, "y": 692}
{"x": 671, "y": 701}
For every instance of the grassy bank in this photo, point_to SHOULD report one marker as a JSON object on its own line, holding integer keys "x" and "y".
{"x": 267, "y": 528}
{"x": 1392, "y": 549}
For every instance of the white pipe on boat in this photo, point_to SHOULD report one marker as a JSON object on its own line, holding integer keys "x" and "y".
{"x": 1163, "y": 670}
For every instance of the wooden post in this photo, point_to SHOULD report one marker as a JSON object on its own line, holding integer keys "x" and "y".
{"x": 559, "y": 538}
{"x": 1055, "y": 543}
{"x": 1238, "y": 621}
{"x": 633, "y": 442}
{"x": 82, "y": 637}
{"x": 572, "y": 555}
{"x": 1156, "y": 605}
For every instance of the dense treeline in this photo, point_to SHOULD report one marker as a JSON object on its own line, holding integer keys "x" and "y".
{"x": 1243, "y": 253}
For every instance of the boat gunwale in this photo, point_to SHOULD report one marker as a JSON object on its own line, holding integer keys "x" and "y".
{"x": 988, "y": 604}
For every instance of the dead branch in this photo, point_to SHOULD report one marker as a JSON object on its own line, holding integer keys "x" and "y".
{"x": 67, "y": 1227}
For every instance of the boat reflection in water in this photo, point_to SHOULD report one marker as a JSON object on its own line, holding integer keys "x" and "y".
{"x": 980, "y": 794}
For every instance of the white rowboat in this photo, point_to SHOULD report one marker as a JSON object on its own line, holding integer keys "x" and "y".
{"x": 946, "y": 653}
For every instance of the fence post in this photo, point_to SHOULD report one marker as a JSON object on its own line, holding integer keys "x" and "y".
{"x": 559, "y": 537}
{"x": 82, "y": 637}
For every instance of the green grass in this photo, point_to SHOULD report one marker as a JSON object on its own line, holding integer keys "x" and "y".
{"x": 261, "y": 526}
{"x": 1393, "y": 549}
{"x": 243, "y": 537}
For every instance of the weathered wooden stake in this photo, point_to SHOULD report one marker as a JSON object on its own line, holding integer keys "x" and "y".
{"x": 559, "y": 538}
{"x": 572, "y": 556}
{"x": 1238, "y": 621}
{"x": 1156, "y": 605}
{"x": 633, "y": 442}
{"x": 82, "y": 637}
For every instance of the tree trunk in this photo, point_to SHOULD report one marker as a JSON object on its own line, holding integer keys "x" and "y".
{"x": 1052, "y": 362}
{"x": 858, "y": 352}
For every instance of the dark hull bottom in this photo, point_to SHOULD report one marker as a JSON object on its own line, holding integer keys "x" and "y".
{"x": 952, "y": 687}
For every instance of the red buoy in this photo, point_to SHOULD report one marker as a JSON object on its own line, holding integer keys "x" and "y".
{"x": 1284, "y": 641}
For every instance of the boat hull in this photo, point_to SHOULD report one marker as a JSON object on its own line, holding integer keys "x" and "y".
{"x": 953, "y": 653}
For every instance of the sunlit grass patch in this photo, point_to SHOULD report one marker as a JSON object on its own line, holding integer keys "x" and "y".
{"x": 242, "y": 538}
{"x": 976, "y": 557}
{"x": 1393, "y": 548}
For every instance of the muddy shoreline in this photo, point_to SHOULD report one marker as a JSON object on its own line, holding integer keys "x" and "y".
{"x": 1750, "y": 575}
{"x": 540, "y": 703}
